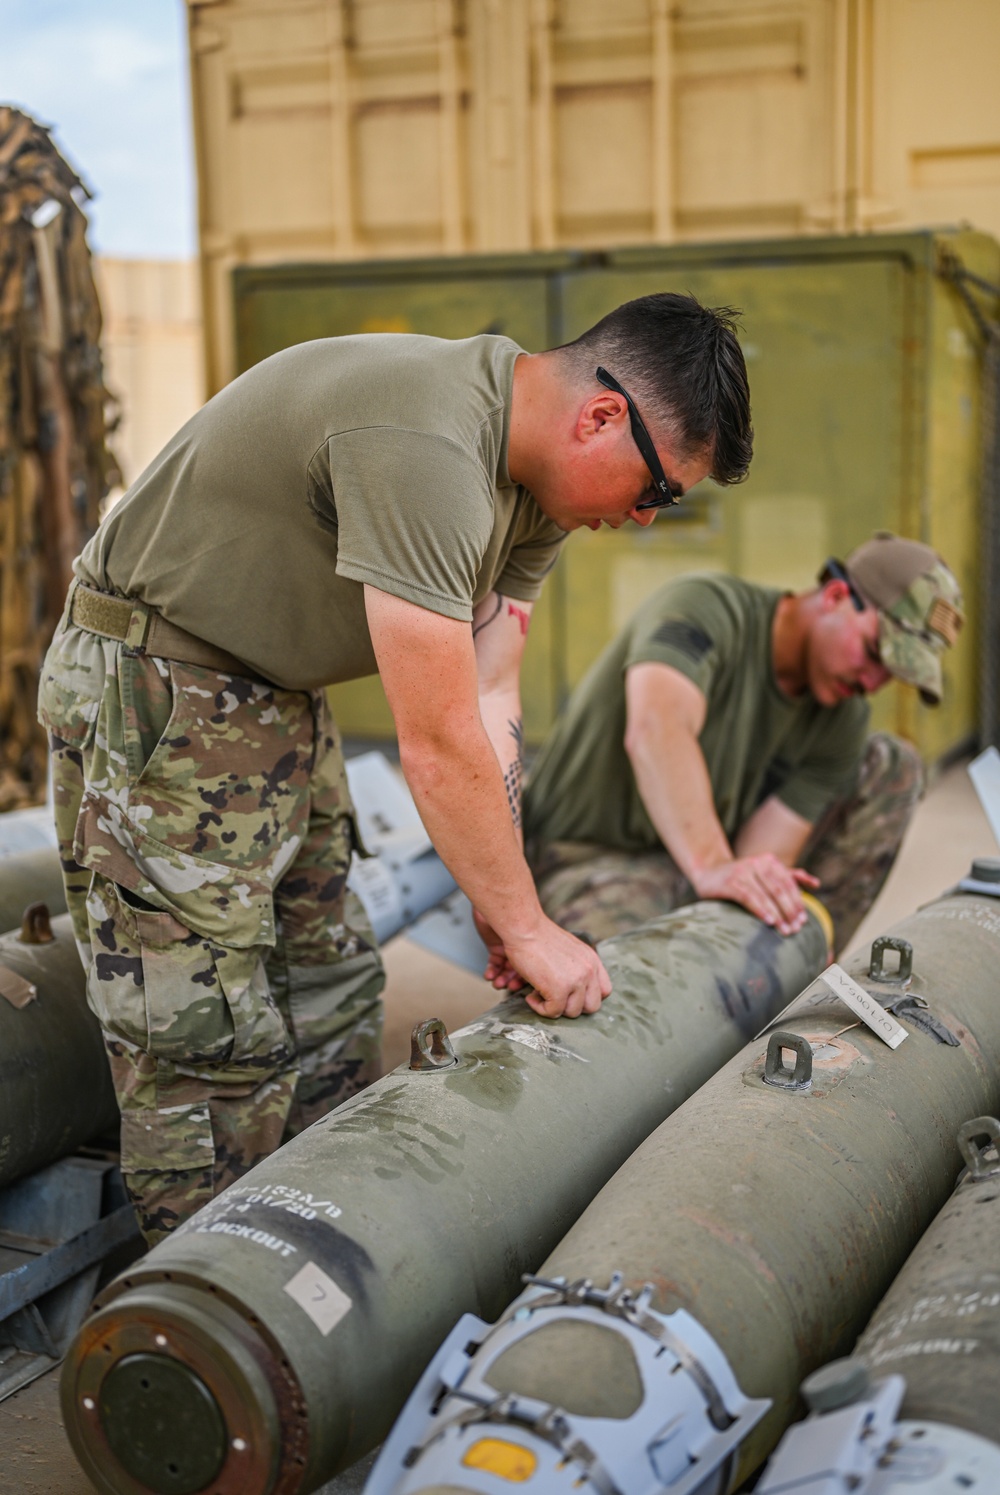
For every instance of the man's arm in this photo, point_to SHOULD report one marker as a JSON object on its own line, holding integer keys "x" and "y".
{"x": 775, "y": 828}
{"x": 665, "y": 712}
{"x": 429, "y": 671}
{"x": 499, "y": 634}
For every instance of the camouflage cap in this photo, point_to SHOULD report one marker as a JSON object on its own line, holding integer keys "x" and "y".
{"x": 919, "y": 604}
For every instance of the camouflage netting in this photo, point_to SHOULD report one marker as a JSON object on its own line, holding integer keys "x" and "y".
{"x": 55, "y": 415}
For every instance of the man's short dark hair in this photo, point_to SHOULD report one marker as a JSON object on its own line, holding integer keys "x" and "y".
{"x": 682, "y": 364}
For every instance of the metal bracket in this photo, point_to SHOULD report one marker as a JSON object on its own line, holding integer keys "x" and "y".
{"x": 908, "y": 1005}
{"x": 777, "y": 1073}
{"x": 24, "y": 1284}
{"x": 861, "y": 1446}
{"x": 430, "y": 1046}
{"x": 36, "y": 925}
{"x": 876, "y": 967}
{"x": 976, "y": 1139}
{"x": 56, "y": 1227}
{"x": 838, "y": 1449}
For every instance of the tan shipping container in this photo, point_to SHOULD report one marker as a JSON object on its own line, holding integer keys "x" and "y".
{"x": 359, "y": 129}
{"x": 153, "y": 353}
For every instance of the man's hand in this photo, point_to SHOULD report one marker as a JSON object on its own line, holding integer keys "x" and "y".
{"x": 763, "y": 885}
{"x": 499, "y": 970}
{"x": 568, "y": 977}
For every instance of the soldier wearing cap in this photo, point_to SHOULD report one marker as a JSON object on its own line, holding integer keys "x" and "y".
{"x": 719, "y": 747}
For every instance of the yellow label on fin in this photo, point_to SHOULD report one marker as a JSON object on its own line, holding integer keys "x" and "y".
{"x": 508, "y": 1460}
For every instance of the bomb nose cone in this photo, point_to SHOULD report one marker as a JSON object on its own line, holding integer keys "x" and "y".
{"x": 163, "y": 1424}
{"x": 179, "y": 1394}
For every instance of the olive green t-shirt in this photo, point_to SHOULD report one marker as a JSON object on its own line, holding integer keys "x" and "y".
{"x": 756, "y": 741}
{"x": 380, "y": 458}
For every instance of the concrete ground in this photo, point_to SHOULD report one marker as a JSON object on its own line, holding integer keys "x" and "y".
{"x": 948, "y": 830}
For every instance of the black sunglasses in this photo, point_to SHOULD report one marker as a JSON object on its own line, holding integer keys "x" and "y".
{"x": 834, "y": 571}
{"x": 666, "y": 497}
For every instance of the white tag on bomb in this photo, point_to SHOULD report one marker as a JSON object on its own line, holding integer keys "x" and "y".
{"x": 866, "y": 1007}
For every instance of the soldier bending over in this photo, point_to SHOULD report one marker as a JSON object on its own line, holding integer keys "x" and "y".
{"x": 718, "y": 748}
{"x": 359, "y": 504}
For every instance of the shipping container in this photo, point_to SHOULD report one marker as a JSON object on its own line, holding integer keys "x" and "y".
{"x": 363, "y": 129}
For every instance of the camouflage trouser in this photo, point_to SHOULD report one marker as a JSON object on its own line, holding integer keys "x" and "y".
{"x": 206, "y": 829}
{"x": 598, "y": 893}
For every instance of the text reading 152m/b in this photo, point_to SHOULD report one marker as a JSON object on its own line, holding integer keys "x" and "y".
{"x": 865, "y": 1006}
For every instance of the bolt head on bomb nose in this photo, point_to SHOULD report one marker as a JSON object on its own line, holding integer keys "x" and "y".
{"x": 985, "y": 869}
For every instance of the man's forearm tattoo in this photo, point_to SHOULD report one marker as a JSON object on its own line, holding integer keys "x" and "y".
{"x": 512, "y": 778}
{"x": 478, "y": 628}
{"x": 513, "y": 611}
{"x": 523, "y": 618}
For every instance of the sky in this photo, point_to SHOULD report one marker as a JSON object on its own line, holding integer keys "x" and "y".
{"x": 110, "y": 77}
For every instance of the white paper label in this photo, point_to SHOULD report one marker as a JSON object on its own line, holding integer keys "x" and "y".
{"x": 865, "y": 1006}
{"x": 319, "y": 1295}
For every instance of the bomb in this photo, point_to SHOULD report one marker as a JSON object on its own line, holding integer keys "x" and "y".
{"x": 907, "y": 1412}
{"x": 55, "y": 1085}
{"x": 743, "y": 1245}
{"x": 284, "y": 1324}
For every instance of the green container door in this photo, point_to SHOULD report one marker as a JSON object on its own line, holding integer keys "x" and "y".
{"x": 285, "y": 304}
{"x": 865, "y": 382}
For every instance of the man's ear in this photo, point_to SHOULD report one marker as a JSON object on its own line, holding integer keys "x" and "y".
{"x": 834, "y": 593}
{"x": 607, "y": 408}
